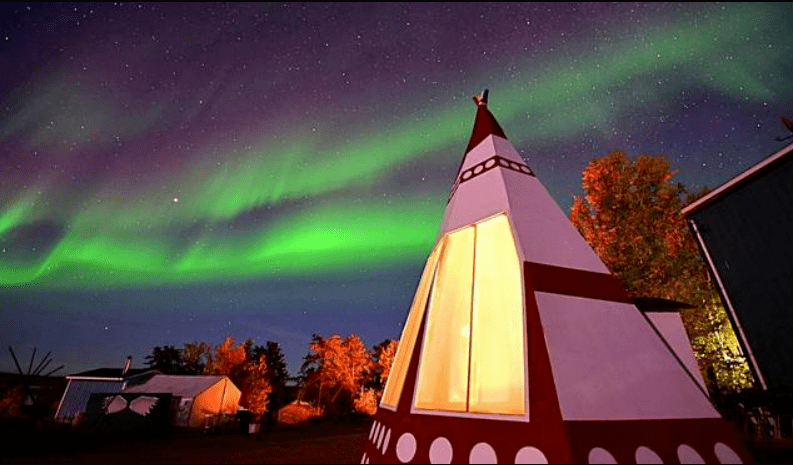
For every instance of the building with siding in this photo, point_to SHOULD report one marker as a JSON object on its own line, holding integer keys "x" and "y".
{"x": 80, "y": 386}
{"x": 745, "y": 233}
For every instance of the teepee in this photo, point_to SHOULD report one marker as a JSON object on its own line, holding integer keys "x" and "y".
{"x": 521, "y": 347}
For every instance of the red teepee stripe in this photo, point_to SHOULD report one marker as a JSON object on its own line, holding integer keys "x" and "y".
{"x": 544, "y": 410}
{"x": 485, "y": 125}
{"x": 578, "y": 283}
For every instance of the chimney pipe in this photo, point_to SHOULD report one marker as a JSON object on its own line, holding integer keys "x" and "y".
{"x": 127, "y": 364}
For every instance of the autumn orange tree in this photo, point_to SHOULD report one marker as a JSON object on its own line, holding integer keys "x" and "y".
{"x": 630, "y": 215}
{"x": 374, "y": 382}
{"x": 374, "y": 385}
{"x": 257, "y": 385}
{"x": 277, "y": 374}
{"x": 335, "y": 371}
{"x": 250, "y": 376}
{"x": 384, "y": 354}
{"x": 366, "y": 402}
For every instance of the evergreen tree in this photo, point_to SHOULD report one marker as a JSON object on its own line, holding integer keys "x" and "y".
{"x": 194, "y": 357}
{"x": 276, "y": 373}
{"x": 166, "y": 359}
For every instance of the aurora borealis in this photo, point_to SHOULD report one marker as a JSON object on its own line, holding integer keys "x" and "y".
{"x": 179, "y": 172}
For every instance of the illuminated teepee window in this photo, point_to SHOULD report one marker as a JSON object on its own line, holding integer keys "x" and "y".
{"x": 473, "y": 357}
{"x": 497, "y": 364}
{"x": 393, "y": 387}
{"x": 443, "y": 378}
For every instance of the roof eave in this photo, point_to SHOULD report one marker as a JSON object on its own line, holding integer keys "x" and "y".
{"x": 737, "y": 181}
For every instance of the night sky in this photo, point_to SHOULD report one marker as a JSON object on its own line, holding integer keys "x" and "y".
{"x": 180, "y": 172}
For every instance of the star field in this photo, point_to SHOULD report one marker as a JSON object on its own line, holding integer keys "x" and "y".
{"x": 179, "y": 172}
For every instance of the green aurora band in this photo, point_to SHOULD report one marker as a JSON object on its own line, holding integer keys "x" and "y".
{"x": 128, "y": 243}
{"x": 328, "y": 237}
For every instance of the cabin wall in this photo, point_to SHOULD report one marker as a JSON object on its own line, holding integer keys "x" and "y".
{"x": 78, "y": 391}
{"x": 747, "y": 233}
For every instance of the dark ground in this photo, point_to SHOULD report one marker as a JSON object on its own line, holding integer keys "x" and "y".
{"x": 772, "y": 450}
{"x": 314, "y": 443}
{"x": 328, "y": 442}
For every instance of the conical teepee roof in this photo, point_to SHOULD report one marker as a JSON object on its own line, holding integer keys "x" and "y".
{"x": 521, "y": 347}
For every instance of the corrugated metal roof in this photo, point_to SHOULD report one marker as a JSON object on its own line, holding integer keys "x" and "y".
{"x": 77, "y": 393}
{"x": 182, "y": 386}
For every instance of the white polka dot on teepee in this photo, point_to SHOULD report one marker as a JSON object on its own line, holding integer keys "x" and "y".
{"x": 647, "y": 455}
{"x": 530, "y": 455}
{"x": 600, "y": 455}
{"x": 687, "y": 454}
{"x": 482, "y": 453}
{"x": 406, "y": 447}
{"x": 725, "y": 454}
{"x": 441, "y": 451}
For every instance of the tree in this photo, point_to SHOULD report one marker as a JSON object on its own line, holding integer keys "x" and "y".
{"x": 166, "y": 359}
{"x": 249, "y": 375}
{"x": 630, "y": 215}
{"x": 228, "y": 359}
{"x": 194, "y": 357}
{"x": 335, "y": 371}
{"x": 375, "y": 379}
{"x": 189, "y": 360}
{"x": 384, "y": 353}
{"x": 366, "y": 402}
{"x": 276, "y": 373}
{"x": 258, "y": 387}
